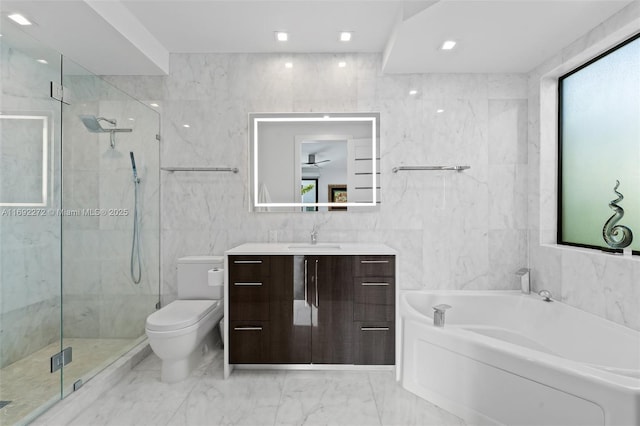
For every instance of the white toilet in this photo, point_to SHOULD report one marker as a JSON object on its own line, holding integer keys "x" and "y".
{"x": 181, "y": 332}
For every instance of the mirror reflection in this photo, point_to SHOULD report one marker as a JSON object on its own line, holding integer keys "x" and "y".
{"x": 314, "y": 162}
{"x": 24, "y": 144}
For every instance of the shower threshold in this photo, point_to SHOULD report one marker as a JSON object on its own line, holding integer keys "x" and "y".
{"x": 29, "y": 388}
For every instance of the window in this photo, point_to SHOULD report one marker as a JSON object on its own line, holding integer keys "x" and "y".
{"x": 599, "y": 144}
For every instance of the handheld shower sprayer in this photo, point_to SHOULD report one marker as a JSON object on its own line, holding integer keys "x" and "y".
{"x": 135, "y": 265}
{"x": 133, "y": 167}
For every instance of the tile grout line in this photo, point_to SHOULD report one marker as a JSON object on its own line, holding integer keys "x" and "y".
{"x": 375, "y": 400}
{"x": 195, "y": 385}
{"x": 284, "y": 384}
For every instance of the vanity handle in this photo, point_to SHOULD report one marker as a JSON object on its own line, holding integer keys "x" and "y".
{"x": 374, "y": 284}
{"x": 248, "y": 328}
{"x": 374, "y": 328}
{"x": 374, "y": 261}
{"x": 306, "y": 297}
{"x": 247, "y": 261}
{"x": 248, "y": 284}
{"x": 317, "y": 298}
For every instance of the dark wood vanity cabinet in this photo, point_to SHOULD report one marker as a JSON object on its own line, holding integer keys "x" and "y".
{"x": 249, "y": 328}
{"x": 289, "y": 314}
{"x": 287, "y": 309}
{"x": 312, "y": 311}
{"x": 331, "y": 297}
{"x": 374, "y": 294}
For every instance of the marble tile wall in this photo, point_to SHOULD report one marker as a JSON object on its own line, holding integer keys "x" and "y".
{"x": 452, "y": 230}
{"x": 29, "y": 245}
{"x": 603, "y": 284}
{"x": 100, "y": 299}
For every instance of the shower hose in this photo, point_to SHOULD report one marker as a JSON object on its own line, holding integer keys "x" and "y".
{"x": 136, "y": 269}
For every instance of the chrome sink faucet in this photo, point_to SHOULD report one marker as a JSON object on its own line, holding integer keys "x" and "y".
{"x": 314, "y": 234}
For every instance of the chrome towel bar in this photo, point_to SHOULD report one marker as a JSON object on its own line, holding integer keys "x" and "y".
{"x": 200, "y": 169}
{"x": 431, "y": 168}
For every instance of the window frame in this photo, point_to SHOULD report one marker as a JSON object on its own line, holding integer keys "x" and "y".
{"x": 559, "y": 239}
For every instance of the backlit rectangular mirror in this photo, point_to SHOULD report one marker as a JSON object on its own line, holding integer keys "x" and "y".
{"x": 314, "y": 161}
{"x": 24, "y": 145}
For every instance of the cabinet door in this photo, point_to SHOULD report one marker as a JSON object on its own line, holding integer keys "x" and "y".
{"x": 290, "y": 312}
{"x": 331, "y": 295}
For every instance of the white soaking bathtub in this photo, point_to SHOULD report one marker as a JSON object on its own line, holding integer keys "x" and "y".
{"x": 508, "y": 358}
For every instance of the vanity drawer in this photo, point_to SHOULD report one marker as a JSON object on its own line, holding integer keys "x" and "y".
{"x": 373, "y": 299}
{"x": 368, "y": 266}
{"x": 374, "y": 343}
{"x": 248, "y": 342}
{"x": 243, "y": 268}
{"x": 249, "y": 300}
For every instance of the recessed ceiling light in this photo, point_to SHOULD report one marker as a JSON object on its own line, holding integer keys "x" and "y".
{"x": 186, "y": 126}
{"x": 19, "y": 19}
{"x": 42, "y": 61}
{"x": 413, "y": 92}
{"x": 154, "y": 105}
{"x": 132, "y": 119}
{"x": 345, "y": 36}
{"x": 288, "y": 65}
{"x": 448, "y": 45}
{"x": 439, "y": 111}
{"x": 342, "y": 64}
{"x": 282, "y": 36}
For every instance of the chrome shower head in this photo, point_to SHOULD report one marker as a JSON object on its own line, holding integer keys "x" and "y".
{"x": 92, "y": 123}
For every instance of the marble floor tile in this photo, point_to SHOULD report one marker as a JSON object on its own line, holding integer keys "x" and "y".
{"x": 397, "y": 406}
{"x": 138, "y": 399}
{"x": 327, "y": 397}
{"x": 260, "y": 397}
{"x": 246, "y": 398}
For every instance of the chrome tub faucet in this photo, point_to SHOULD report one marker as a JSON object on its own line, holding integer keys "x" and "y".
{"x": 438, "y": 314}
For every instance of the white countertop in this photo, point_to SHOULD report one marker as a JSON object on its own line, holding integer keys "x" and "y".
{"x": 308, "y": 249}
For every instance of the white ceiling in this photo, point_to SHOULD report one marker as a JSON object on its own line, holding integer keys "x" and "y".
{"x": 135, "y": 37}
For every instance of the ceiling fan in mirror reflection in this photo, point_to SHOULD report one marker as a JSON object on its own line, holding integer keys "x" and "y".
{"x": 312, "y": 161}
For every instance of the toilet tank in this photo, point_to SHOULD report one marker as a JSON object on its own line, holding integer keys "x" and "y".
{"x": 193, "y": 280}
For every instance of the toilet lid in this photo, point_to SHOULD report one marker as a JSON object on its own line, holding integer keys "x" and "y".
{"x": 180, "y": 314}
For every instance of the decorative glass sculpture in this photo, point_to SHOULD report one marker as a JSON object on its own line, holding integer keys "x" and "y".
{"x": 617, "y": 236}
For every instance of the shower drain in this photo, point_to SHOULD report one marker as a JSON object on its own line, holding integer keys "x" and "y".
{"x": 4, "y": 403}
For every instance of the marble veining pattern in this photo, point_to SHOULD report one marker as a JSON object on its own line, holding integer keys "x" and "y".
{"x": 255, "y": 397}
{"x": 440, "y": 223}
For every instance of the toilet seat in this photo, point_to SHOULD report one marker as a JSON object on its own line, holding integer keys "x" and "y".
{"x": 180, "y": 314}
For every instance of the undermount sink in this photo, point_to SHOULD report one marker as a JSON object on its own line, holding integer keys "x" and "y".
{"x": 318, "y": 246}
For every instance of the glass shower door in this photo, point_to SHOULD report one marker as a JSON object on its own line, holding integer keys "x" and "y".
{"x": 30, "y": 227}
{"x": 110, "y": 230}
{"x": 69, "y": 207}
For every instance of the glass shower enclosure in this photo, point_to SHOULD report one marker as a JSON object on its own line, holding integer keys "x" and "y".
{"x": 79, "y": 234}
